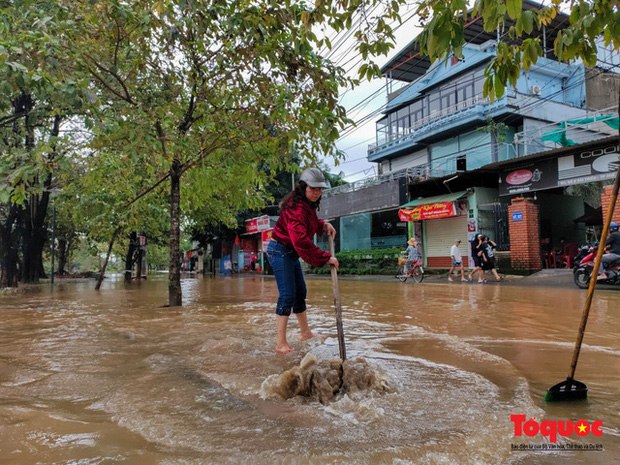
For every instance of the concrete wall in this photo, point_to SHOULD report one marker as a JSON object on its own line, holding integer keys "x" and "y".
{"x": 602, "y": 89}
{"x": 411, "y": 160}
{"x": 388, "y": 194}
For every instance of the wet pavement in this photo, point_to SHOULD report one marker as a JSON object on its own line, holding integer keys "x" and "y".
{"x": 554, "y": 278}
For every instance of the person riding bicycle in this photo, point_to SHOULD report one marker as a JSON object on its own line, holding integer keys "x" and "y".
{"x": 413, "y": 254}
{"x": 613, "y": 244}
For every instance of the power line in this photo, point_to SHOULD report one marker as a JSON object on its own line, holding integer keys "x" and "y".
{"x": 538, "y": 100}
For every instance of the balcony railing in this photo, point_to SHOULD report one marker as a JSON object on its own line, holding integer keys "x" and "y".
{"x": 435, "y": 117}
{"x": 413, "y": 174}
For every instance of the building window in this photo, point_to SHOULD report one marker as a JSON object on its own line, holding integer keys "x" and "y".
{"x": 447, "y": 99}
{"x": 434, "y": 104}
{"x": 417, "y": 111}
{"x": 382, "y": 131}
{"x": 355, "y": 232}
{"x": 387, "y": 230}
{"x": 465, "y": 91}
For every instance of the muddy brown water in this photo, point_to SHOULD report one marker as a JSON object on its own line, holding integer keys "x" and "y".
{"x": 111, "y": 377}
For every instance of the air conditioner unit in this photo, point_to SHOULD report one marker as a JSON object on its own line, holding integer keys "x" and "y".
{"x": 535, "y": 90}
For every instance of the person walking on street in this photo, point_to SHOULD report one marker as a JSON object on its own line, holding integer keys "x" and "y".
{"x": 457, "y": 260}
{"x": 291, "y": 239}
{"x": 476, "y": 255}
{"x": 488, "y": 257}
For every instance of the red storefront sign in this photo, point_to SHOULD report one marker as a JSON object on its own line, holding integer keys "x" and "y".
{"x": 265, "y": 238}
{"x": 257, "y": 224}
{"x": 429, "y": 211}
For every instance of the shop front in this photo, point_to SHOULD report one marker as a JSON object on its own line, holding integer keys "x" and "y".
{"x": 254, "y": 243}
{"x": 436, "y": 222}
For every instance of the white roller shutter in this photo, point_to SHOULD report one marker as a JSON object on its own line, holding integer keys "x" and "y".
{"x": 441, "y": 234}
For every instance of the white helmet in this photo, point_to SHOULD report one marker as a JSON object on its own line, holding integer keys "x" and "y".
{"x": 313, "y": 177}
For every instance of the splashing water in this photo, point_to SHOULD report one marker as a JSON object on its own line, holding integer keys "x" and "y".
{"x": 327, "y": 379}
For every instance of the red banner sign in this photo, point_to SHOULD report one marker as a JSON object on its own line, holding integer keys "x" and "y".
{"x": 257, "y": 224}
{"x": 429, "y": 211}
{"x": 265, "y": 238}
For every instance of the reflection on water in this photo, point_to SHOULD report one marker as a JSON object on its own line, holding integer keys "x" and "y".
{"x": 113, "y": 377}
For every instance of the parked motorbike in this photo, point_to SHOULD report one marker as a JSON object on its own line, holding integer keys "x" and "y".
{"x": 583, "y": 252}
{"x": 582, "y": 273}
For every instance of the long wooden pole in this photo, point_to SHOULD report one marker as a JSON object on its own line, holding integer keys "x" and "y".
{"x": 594, "y": 275}
{"x": 343, "y": 351}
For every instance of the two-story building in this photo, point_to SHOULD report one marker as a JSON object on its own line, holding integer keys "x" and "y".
{"x": 447, "y": 155}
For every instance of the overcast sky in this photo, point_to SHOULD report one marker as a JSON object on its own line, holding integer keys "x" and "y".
{"x": 355, "y": 142}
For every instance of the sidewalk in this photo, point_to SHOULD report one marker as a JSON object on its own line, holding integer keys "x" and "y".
{"x": 557, "y": 278}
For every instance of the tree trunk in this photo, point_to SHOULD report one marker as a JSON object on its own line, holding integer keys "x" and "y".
{"x": 131, "y": 248}
{"x": 139, "y": 263}
{"x": 62, "y": 255}
{"x": 175, "y": 297}
{"x": 107, "y": 258}
{"x": 34, "y": 238}
{"x": 35, "y": 227}
{"x": 8, "y": 250}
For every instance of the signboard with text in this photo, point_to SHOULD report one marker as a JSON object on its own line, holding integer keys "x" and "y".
{"x": 257, "y": 224}
{"x": 429, "y": 211}
{"x": 580, "y": 167}
{"x": 533, "y": 176}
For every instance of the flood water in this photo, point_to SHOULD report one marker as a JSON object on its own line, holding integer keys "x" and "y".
{"x": 113, "y": 377}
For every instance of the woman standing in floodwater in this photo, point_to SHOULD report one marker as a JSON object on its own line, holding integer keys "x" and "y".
{"x": 291, "y": 239}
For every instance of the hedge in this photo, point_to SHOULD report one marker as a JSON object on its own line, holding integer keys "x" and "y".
{"x": 364, "y": 262}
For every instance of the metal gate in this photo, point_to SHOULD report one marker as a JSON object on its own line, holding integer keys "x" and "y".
{"x": 502, "y": 234}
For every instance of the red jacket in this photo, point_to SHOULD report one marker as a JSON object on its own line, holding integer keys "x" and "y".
{"x": 295, "y": 229}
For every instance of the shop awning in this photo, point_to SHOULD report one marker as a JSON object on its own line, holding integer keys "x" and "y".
{"x": 439, "y": 206}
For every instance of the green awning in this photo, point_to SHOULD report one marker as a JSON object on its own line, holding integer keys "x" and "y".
{"x": 435, "y": 199}
{"x": 559, "y": 135}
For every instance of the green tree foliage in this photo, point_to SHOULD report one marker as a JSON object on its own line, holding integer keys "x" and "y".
{"x": 156, "y": 92}
{"x": 444, "y": 21}
{"x": 333, "y": 179}
{"x": 205, "y": 91}
{"x": 36, "y": 111}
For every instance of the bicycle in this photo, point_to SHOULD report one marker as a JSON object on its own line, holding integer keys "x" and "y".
{"x": 415, "y": 270}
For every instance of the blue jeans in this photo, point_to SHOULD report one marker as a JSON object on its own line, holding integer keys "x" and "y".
{"x": 289, "y": 278}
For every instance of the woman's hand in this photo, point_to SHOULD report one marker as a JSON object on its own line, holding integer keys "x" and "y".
{"x": 333, "y": 261}
{"x": 329, "y": 229}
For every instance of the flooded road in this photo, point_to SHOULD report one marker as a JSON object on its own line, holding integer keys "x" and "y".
{"x": 112, "y": 377}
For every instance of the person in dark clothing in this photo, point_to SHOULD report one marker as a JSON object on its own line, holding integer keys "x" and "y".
{"x": 291, "y": 239}
{"x": 476, "y": 255}
{"x": 488, "y": 256}
{"x": 613, "y": 247}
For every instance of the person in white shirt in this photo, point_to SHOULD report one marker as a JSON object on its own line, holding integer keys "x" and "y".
{"x": 457, "y": 260}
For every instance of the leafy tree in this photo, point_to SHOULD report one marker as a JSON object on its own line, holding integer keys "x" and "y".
{"x": 334, "y": 180}
{"x": 444, "y": 20}
{"x": 205, "y": 91}
{"x": 35, "y": 111}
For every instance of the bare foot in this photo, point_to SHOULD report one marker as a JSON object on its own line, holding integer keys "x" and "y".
{"x": 283, "y": 349}
{"x": 306, "y": 336}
